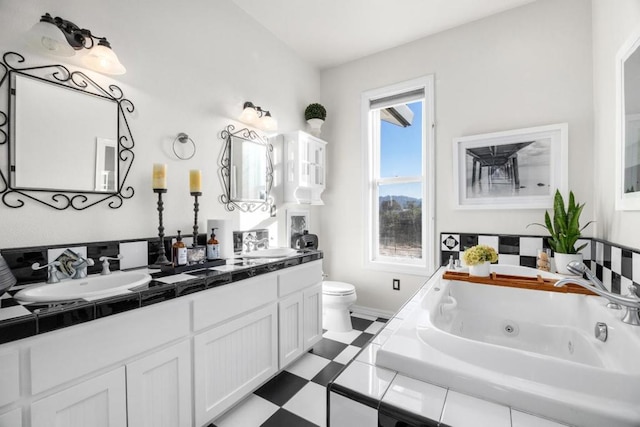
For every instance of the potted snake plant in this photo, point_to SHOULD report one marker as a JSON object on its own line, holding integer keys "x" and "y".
{"x": 564, "y": 231}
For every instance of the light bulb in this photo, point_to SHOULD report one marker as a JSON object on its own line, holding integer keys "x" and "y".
{"x": 101, "y": 58}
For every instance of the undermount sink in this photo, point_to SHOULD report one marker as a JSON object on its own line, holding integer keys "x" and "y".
{"x": 90, "y": 287}
{"x": 270, "y": 253}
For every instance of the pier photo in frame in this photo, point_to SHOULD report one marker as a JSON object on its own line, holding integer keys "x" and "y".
{"x": 514, "y": 169}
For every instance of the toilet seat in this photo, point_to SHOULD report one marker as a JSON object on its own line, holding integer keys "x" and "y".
{"x": 337, "y": 288}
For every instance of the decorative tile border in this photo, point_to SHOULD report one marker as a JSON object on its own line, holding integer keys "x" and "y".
{"x": 616, "y": 266}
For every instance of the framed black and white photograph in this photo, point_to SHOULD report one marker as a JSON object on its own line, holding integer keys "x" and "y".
{"x": 514, "y": 169}
{"x": 297, "y": 223}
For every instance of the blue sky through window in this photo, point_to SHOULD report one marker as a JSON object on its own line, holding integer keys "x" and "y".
{"x": 401, "y": 154}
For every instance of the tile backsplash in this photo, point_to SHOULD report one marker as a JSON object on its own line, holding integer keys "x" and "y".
{"x": 617, "y": 266}
{"x": 135, "y": 253}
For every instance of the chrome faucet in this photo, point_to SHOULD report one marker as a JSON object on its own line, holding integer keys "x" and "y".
{"x": 250, "y": 241}
{"x": 105, "y": 263}
{"x": 577, "y": 267}
{"x": 52, "y": 270}
{"x": 80, "y": 267}
{"x": 631, "y": 302}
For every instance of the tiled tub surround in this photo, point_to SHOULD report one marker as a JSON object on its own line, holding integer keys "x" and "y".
{"x": 203, "y": 339}
{"x": 616, "y": 266}
{"x": 367, "y": 395}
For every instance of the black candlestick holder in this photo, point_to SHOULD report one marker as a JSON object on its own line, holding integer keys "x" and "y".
{"x": 162, "y": 257}
{"x": 196, "y": 207}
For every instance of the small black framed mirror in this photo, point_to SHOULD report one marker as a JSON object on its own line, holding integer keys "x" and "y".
{"x": 246, "y": 170}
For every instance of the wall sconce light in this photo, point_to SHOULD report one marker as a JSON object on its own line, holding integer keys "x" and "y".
{"x": 60, "y": 37}
{"x": 258, "y": 117}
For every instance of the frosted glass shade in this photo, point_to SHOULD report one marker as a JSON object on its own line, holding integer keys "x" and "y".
{"x": 104, "y": 60}
{"x": 249, "y": 116}
{"x": 268, "y": 123}
{"x": 45, "y": 36}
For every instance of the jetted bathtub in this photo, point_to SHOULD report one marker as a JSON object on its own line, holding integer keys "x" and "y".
{"x": 532, "y": 350}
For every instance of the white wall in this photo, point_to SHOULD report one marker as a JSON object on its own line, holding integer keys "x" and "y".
{"x": 190, "y": 67}
{"x": 613, "y": 23}
{"x": 525, "y": 67}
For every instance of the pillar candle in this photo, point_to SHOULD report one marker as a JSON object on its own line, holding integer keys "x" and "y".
{"x": 159, "y": 176}
{"x": 195, "y": 181}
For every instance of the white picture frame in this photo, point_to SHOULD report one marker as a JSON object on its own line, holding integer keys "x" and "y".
{"x": 627, "y": 196}
{"x": 297, "y": 222}
{"x": 514, "y": 169}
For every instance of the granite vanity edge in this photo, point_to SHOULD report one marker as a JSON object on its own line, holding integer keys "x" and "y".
{"x": 43, "y": 320}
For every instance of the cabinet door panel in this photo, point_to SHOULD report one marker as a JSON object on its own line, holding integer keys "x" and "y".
{"x": 11, "y": 418}
{"x": 233, "y": 359}
{"x": 98, "y": 402}
{"x": 9, "y": 376}
{"x": 312, "y": 316}
{"x": 159, "y": 388}
{"x": 290, "y": 312}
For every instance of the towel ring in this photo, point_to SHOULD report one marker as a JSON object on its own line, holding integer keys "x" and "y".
{"x": 183, "y": 138}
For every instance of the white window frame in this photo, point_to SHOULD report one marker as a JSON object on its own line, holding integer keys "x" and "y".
{"x": 371, "y": 175}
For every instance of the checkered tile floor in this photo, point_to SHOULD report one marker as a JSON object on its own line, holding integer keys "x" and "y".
{"x": 297, "y": 396}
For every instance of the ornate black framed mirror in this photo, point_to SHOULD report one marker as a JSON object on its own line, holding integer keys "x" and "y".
{"x": 246, "y": 170}
{"x": 67, "y": 140}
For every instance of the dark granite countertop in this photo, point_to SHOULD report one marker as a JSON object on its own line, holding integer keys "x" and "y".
{"x": 18, "y": 321}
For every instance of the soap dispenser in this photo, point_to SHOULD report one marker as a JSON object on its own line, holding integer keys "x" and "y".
{"x": 213, "y": 248}
{"x": 179, "y": 251}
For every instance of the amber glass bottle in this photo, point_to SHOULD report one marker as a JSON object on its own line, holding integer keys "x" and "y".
{"x": 213, "y": 249}
{"x": 179, "y": 251}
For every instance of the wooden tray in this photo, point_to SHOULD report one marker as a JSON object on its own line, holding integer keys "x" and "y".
{"x": 537, "y": 283}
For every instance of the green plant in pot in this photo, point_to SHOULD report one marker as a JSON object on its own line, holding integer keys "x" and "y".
{"x": 315, "y": 114}
{"x": 564, "y": 231}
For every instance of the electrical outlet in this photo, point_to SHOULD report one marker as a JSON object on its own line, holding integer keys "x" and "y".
{"x": 396, "y": 284}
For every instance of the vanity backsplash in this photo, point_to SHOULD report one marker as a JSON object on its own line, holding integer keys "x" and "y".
{"x": 616, "y": 266}
{"x": 135, "y": 253}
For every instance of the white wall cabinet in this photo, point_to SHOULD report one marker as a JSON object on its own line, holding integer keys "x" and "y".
{"x": 304, "y": 168}
{"x": 233, "y": 359}
{"x": 159, "y": 388}
{"x": 98, "y": 402}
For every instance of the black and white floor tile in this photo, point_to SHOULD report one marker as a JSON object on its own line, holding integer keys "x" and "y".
{"x": 297, "y": 396}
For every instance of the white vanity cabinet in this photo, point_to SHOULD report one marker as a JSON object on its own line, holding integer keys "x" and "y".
{"x": 300, "y": 310}
{"x": 9, "y": 376}
{"x": 291, "y": 319}
{"x": 312, "y": 302}
{"x": 98, "y": 402}
{"x": 159, "y": 388}
{"x": 11, "y": 418}
{"x": 181, "y": 362}
{"x": 240, "y": 351}
{"x": 304, "y": 168}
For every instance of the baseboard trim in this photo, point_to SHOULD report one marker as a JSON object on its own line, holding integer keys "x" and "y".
{"x": 372, "y": 311}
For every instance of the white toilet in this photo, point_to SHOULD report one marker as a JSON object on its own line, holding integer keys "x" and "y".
{"x": 337, "y": 297}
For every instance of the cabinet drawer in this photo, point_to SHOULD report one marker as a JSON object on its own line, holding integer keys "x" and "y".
{"x": 300, "y": 277}
{"x": 228, "y": 301}
{"x": 73, "y": 352}
{"x": 9, "y": 376}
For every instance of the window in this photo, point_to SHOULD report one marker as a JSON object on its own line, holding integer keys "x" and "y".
{"x": 398, "y": 137}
